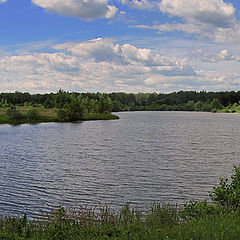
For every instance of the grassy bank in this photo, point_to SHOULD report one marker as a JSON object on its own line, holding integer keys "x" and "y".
{"x": 47, "y": 115}
{"x": 159, "y": 222}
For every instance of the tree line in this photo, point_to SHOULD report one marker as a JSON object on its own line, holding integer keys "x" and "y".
{"x": 120, "y": 101}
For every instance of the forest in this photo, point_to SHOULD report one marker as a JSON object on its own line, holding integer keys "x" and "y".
{"x": 120, "y": 101}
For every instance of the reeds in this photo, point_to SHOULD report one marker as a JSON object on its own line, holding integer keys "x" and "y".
{"x": 160, "y": 221}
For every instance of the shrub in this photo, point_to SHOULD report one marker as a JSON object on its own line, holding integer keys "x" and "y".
{"x": 14, "y": 114}
{"x": 71, "y": 112}
{"x": 227, "y": 193}
{"x": 33, "y": 114}
{"x": 62, "y": 114}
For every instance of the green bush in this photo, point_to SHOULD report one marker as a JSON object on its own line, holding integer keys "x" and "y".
{"x": 227, "y": 193}
{"x": 14, "y": 114}
{"x": 62, "y": 115}
{"x": 33, "y": 114}
{"x": 71, "y": 112}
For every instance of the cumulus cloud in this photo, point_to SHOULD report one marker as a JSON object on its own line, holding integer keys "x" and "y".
{"x": 95, "y": 65}
{"x": 84, "y": 9}
{"x": 213, "y": 12}
{"x": 104, "y": 50}
{"x": 205, "y": 56}
{"x": 216, "y": 81}
{"x": 2, "y": 1}
{"x": 213, "y": 19}
{"x": 103, "y": 65}
{"x": 140, "y": 4}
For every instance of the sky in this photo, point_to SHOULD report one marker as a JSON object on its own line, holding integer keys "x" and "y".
{"x": 119, "y": 46}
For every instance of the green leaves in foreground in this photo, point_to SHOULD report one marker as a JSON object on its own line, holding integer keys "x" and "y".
{"x": 227, "y": 194}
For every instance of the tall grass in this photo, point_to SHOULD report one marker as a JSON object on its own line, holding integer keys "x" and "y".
{"x": 156, "y": 223}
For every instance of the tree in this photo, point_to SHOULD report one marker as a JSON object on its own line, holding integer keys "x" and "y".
{"x": 198, "y": 106}
{"x": 216, "y": 104}
{"x": 61, "y": 98}
{"x": 207, "y": 106}
{"x": 189, "y": 106}
{"x": 48, "y": 103}
{"x": 72, "y": 112}
{"x": 105, "y": 104}
{"x": 116, "y": 106}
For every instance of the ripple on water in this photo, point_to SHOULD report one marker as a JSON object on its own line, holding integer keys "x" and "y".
{"x": 141, "y": 158}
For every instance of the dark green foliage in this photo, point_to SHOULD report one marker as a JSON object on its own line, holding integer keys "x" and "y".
{"x": 228, "y": 192}
{"x": 198, "y": 106}
{"x": 207, "y": 106}
{"x": 117, "y": 106}
{"x": 14, "y": 114}
{"x": 197, "y": 210}
{"x": 61, "y": 98}
{"x": 48, "y": 103}
{"x": 33, "y": 115}
{"x": 119, "y": 101}
{"x": 215, "y": 104}
{"x": 62, "y": 115}
{"x": 72, "y": 111}
{"x": 105, "y": 104}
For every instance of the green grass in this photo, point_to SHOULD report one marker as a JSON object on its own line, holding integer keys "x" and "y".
{"x": 159, "y": 222}
{"x": 212, "y": 227}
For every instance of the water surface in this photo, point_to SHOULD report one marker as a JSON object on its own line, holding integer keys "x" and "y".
{"x": 141, "y": 158}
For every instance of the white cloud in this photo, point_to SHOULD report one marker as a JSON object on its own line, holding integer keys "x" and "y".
{"x": 84, "y": 9}
{"x": 212, "y": 12}
{"x": 200, "y": 30}
{"x": 213, "y": 19}
{"x": 2, "y": 1}
{"x": 205, "y": 56}
{"x": 104, "y": 50}
{"x": 140, "y": 4}
{"x": 103, "y": 65}
{"x": 218, "y": 81}
{"x": 96, "y": 65}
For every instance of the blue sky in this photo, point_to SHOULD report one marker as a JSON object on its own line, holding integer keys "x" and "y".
{"x": 122, "y": 45}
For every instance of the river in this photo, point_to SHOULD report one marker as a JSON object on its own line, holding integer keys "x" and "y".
{"x": 170, "y": 157}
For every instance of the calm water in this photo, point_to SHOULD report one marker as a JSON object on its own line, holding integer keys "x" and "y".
{"x": 141, "y": 158}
